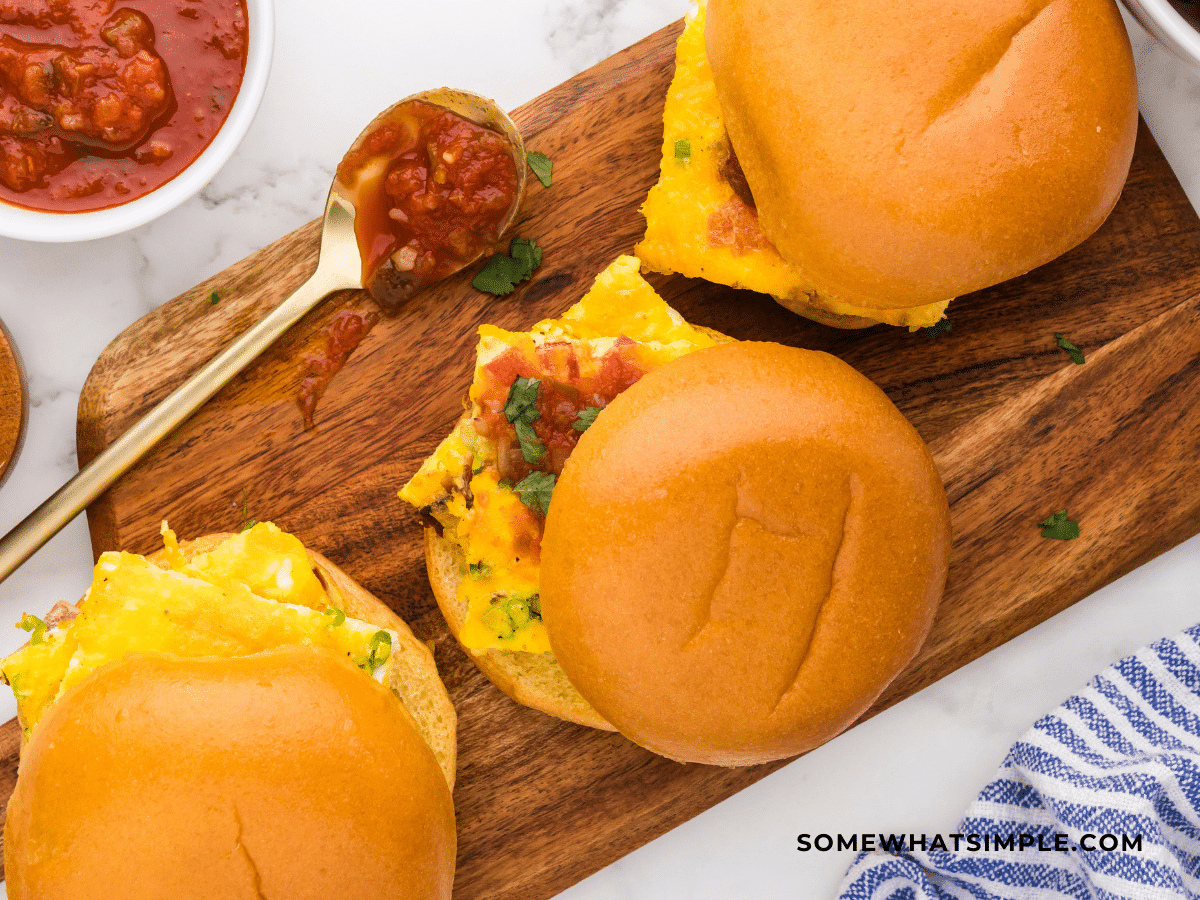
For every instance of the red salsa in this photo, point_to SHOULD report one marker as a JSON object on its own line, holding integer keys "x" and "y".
{"x": 563, "y": 394}
{"x": 99, "y": 106}
{"x": 431, "y": 191}
{"x": 337, "y": 341}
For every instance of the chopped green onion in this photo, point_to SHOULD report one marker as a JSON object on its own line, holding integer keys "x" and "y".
{"x": 381, "y": 650}
{"x": 496, "y": 618}
{"x": 35, "y": 626}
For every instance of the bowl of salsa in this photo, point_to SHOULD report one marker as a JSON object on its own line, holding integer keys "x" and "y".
{"x": 113, "y": 112}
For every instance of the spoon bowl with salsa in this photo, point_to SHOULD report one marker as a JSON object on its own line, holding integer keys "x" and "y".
{"x": 435, "y": 180}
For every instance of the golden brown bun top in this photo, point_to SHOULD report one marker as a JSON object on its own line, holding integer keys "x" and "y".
{"x": 284, "y": 774}
{"x": 742, "y": 552}
{"x": 414, "y": 675}
{"x": 903, "y": 154}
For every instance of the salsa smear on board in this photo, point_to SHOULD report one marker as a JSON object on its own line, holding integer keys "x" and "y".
{"x": 431, "y": 191}
{"x": 102, "y": 101}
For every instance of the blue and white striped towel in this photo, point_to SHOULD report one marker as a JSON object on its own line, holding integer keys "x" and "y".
{"x": 1120, "y": 758}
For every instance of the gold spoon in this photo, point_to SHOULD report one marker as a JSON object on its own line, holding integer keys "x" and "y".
{"x": 338, "y": 268}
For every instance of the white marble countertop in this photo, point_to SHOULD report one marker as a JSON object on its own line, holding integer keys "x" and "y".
{"x": 912, "y": 769}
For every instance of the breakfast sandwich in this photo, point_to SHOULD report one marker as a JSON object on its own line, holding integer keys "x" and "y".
{"x": 725, "y": 550}
{"x": 867, "y": 165}
{"x": 701, "y": 219}
{"x": 231, "y": 717}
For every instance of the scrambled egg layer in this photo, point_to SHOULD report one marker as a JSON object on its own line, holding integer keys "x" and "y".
{"x": 254, "y": 592}
{"x": 460, "y": 486}
{"x": 695, "y": 222}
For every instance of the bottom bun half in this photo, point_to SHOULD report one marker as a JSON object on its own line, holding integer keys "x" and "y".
{"x": 532, "y": 679}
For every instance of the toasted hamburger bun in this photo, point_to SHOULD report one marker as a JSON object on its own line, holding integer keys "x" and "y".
{"x": 742, "y": 552}
{"x": 414, "y": 676}
{"x": 907, "y": 154}
{"x": 287, "y": 773}
{"x": 532, "y": 679}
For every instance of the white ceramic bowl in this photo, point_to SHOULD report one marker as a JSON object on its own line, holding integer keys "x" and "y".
{"x": 1172, "y": 24}
{"x": 32, "y": 225}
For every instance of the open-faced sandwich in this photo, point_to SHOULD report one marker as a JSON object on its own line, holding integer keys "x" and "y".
{"x": 724, "y": 550}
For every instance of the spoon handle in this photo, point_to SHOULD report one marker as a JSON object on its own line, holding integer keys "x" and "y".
{"x": 338, "y": 268}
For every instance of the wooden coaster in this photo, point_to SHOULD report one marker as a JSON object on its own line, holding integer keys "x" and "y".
{"x": 13, "y": 403}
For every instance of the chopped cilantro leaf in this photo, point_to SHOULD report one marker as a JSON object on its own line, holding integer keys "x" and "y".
{"x": 502, "y": 273}
{"x": 499, "y": 276}
{"x": 518, "y": 613}
{"x": 938, "y": 328}
{"x": 1072, "y": 351}
{"x": 541, "y": 165}
{"x": 683, "y": 150}
{"x": 528, "y": 253}
{"x": 1060, "y": 527}
{"x": 521, "y": 410}
{"x": 532, "y": 450}
{"x": 586, "y": 418}
{"x": 535, "y": 490}
{"x": 216, "y": 298}
{"x": 521, "y": 405}
{"x": 36, "y": 627}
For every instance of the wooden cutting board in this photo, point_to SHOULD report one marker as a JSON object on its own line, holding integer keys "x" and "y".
{"x": 1017, "y": 429}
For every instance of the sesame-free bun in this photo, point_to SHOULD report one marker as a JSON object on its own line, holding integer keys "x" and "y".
{"x": 904, "y": 154}
{"x": 287, "y": 773}
{"x": 413, "y": 674}
{"x": 746, "y": 547}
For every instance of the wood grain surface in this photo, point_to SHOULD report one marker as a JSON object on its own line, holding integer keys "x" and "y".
{"x": 1017, "y": 430}
{"x": 14, "y": 403}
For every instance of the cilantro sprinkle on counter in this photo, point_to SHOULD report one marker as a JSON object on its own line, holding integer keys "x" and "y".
{"x": 502, "y": 274}
{"x": 541, "y": 165}
{"x": 1060, "y": 527}
{"x": 216, "y": 298}
{"x": 247, "y": 522}
{"x": 1072, "y": 351}
{"x": 938, "y": 328}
